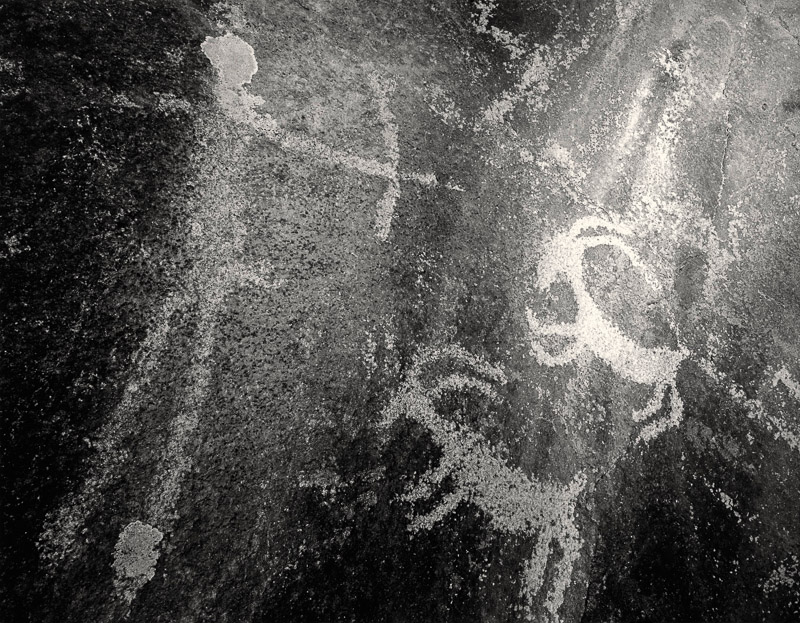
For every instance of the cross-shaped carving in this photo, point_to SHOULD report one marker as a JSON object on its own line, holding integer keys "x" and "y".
{"x": 236, "y": 64}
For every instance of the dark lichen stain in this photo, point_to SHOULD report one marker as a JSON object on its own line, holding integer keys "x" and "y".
{"x": 791, "y": 103}
{"x": 535, "y": 20}
{"x": 691, "y": 271}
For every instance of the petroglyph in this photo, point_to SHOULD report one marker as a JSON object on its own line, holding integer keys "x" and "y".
{"x": 219, "y": 272}
{"x": 657, "y": 178}
{"x": 217, "y": 234}
{"x": 59, "y": 540}
{"x": 625, "y": 144}
{"x": 592, "y": 331}
{"x": 513, "y": 44}
{"x": 176, "y": 461}
{"x": 537, "y": 65}
{"x": 773, "y": 422}
{"x": 540, "y": 65}
{"x": 514, "y": 502}
{"x": 235, "y": 62}
{"x": 628, "y": 128}
{"x": 383, "y": 219}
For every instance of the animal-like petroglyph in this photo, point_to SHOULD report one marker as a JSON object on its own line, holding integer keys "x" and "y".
{"x": 469, "y": 471}
{"x": 592, "y": 331}
{"x": 514, "y": 502}
{"x": 235, "y": 62}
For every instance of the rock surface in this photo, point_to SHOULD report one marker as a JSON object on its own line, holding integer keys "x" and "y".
{"x": 321, "y": 310}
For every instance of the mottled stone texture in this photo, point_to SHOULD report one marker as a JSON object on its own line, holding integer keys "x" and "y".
{"x": 344, "y": 310}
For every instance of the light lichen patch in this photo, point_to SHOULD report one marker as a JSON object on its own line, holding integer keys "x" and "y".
{"x": 233, "y": 58}
{"x": 135, "y": 557}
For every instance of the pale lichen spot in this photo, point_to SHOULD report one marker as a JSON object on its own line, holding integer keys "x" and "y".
{"x": 135, "y": 557}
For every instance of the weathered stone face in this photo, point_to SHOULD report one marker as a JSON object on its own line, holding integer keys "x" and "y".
{"x": 413, "y": 311}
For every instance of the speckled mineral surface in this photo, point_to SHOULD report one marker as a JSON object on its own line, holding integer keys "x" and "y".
{"x": 400, "y": 311}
